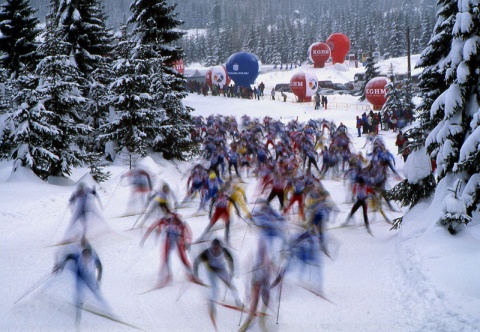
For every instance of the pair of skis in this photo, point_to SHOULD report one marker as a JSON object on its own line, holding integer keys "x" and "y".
{"x": 106, "y": 316}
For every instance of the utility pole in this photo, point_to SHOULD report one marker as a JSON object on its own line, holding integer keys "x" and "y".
{"x": 409, "y": 65}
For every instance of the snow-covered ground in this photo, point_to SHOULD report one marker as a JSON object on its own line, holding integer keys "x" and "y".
{"x": 418, "y": 278}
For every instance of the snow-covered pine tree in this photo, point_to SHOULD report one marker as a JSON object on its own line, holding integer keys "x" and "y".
{"x": 454, "y": 210}
{"x": 18, "y": 30}
{"x": 99, "y": 79}
{"x": 397, "y": 44}
{"x": 455, "y": 139}
{"x": 33, "y": 129}
{"x": 432, "y": 84}
{"x": 155, "y": 32}
{"x": 5, "y": 106}
{"x": 82, "y": 24}
{"x": 210, "y": 58}
{"x": 394, "y": 102}
{"x": 406, "y": 95}
{"x": 97, "y": 105}
{"x": 60, "y": 97}
{"x": 123, "y": 44}
{"x": 371, "y": 71}
{"x": 138, "y": 114}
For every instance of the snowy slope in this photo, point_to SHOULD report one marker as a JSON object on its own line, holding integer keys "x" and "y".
{"x": 418, "y": 278}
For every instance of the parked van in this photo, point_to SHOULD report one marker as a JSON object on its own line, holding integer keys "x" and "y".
{"x": 325, "y": 84}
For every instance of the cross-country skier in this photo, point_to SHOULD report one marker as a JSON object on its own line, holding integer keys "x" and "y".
{"x": 82, "y": 202}
{"x": 271, "y": 227}
{"x": 277, "y": 183}
{"x": 216, "y": 259}
{"x": 162, "y": 199}
{"x": 177, "y": 233}
{"x": 262, "y": 272}
{"x": 319, "y": 211}
{"x": 141, "y": 186}
{"x": 361, "y": 191}
{"x": 213, "y": 183}
{"x": 298, "y": 185}
{"x": 196, "y": 183}
{"x": 237, "y": 194}
{"x": 88, "y": 273}
{"x": 166, "y": 199}
{"x": 219, "y": 208}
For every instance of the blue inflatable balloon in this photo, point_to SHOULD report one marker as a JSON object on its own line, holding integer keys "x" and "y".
{"x": 243, "y": 68}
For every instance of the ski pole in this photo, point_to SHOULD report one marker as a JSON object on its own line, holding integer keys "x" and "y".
{"x": 244, "y": 235}
{"x": 58, "y": 226}
{"x": 225, "y": 295}
{"x": 241, "y": 314}
{"x": 140, "y": 216}
{"x": 40, "y": 282}
{"x": 113, "y": 192}
{"x": 183, "y": 290}
{"x": 279, "y": 299}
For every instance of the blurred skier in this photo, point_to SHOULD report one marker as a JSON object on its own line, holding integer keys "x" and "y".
{"x": 271, "y": 227}
{"x": 166, "y": 199}
{"x": 361, "y": 191}
{"x": 177, "y": 232}
{"x": 216, "y": 259}
{"x": 82, "y": 203}
{"x": 87, "y": 268}
{"x": 220, "y": 208}
{"x": 263, "y": 270}
{"x": 163, "y": 199}
{"x": 141, "y": 186}
{"x": 320, "y": 209}
{"x": 237, "y": 194}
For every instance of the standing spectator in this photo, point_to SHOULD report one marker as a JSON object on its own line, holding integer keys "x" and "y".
{"x": 359, "y": 125}
{"x": 386, "y": 120}
{"x": 261, "y": 88}
{"x": 364, "y": 123}
{"x": 317, "y": 100}
{"x": 393, "y": 121}
{"x": 370, "y": 122}
{"x": 401, "y": 139}
{"x": 405, "y": 151}
{"x": 375, "y": 123}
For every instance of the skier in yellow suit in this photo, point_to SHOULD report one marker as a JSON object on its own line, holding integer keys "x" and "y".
{"x": 237, "y": 194}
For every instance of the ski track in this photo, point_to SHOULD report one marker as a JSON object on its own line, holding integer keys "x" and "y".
{"x": 427, "y": 304}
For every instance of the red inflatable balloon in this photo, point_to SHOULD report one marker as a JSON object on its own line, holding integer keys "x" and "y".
{"x": 318, "y": 53}
{"x": 339, "y": 46}
{"x": 375, "y": 92}
{"x": 304, "y": 85}
{"x": 179, "y": 66}
{"x": 217, "y": 75}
